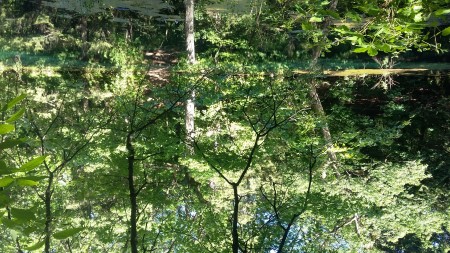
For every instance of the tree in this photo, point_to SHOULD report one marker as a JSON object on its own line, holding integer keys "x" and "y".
{"x": 190, "y": 48}
{"x": 68, "y": 153}
{"x": 116, "y": 169}
{"x": 237, "y": 147}
{"x": 136, "y": 126}
{"x": 11, "y": 176}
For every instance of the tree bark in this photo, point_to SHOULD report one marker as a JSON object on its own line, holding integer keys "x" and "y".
{"x": 286, "y": 233}
{"x": 190, "y": 102}
{"x": 84, "y": 37}
{"x": 316, "y": 104}
{"x": 48, "y": 212}
{"x": 318, "y": 109}
{"x": 132, "y": 195}
{"x": 312, "y": 163}
{"x": 234, "y": 231}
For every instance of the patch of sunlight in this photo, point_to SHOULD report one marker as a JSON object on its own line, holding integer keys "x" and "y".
{"x": 364, "y": 72}
{"x": 235, "y": 6}
{"x": 45, "y": 71}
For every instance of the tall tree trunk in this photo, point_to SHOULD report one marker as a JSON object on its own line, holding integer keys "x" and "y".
{"x": 190, "y": 48}
{"x": 285, "y": 234}
{"x": 48, "y": 213}
{"x": 234, "y": 231}
{"x": 318, "y": 109}
{"x": 84, "y": 37}
{"x": 316, "y": 104}
{"x": 132, "y": 194}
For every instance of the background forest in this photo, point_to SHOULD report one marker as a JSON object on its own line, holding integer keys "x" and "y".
{"x": 264, "y": 126}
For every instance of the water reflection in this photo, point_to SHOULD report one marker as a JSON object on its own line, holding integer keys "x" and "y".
{"x": 152, "y": 8}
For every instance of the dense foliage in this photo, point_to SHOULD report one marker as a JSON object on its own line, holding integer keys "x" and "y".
{"x": 289, "y": 153}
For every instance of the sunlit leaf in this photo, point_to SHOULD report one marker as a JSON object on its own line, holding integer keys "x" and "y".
{"x": 354, "y": 38}
{"x": 307, "y": 26}
{"x": 315, "y": 19}
{"x": 26, "y": 182}
{"x": 360, "y": 50}
{"x": 343, "y": 29}
{"x": 418, "y": 17}
{"x": 442, "y": 12}
{"x": 383, "y": 47}
{"x": 372, "y": 51}
{"x": 446, "y": 31}
{"x": 67, "y": 233}
{"x": 14, "y": 102}
{"x": 32, "y": 164}
{"x": 35, "y": 246}
{"x": 6, "y": 181}
{"x": 6, "y": 128}
{"x": 16, "y": 116}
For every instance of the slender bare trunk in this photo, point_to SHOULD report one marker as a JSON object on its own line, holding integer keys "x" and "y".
{"x": 234, "y": 231}
{"x": 84, "y": 37}
{"x": 190, "y": 48}
{"x": 318, "y": 109}
{"x": 286, "y": 233}
{"x": 190, "y": 122}
{"x": 133, "y": 195}
{"x": 48, "y": 213}
{"x": 312, "y": 163}
{"x": 316, "y": 104}
{"x": 189, "y": 30}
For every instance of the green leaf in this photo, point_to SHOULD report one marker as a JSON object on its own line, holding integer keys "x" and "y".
{"x": 5, "y": 200}
{"x": 6, "y": 181}
{"x": 369, "y": 9}
{"x": 10, "y": 143}
{"x": 343, "y": 29}
{"x": 383, "y": 47}
{"x": 26, "y": 182}
{"x": 353, "y": 16}
{"x": 360, "y": 50}
{"x": 330, "y": 13}
{"x": 315, "y": 19}
{"x": 23, "y": 215}
{"x": 6, "y": 128}
{"x": 31, "y": 165}
{"x": 67, "y": 233}
{"x": 28, "y": 230}
{"x": 4, "y": 169}
{"x": 34, "y": 178}
{"x": 16, "y": 116}
{"x": 372, "y": 51}
{"x": 442, "y": 12}
{"x": 14, "y": 102}
{"x": 418, "y": 17}
{"x": 446, "y": 31}
{"x": 9, "y": 223}
{"x": 35, "y": 246}
{"x": 354, "y": 38}
{"x": 307, "y": 27}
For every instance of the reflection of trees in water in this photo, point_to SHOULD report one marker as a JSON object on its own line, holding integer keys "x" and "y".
{"x": 385, "y": 81}
{"x": 153, "y": 8}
